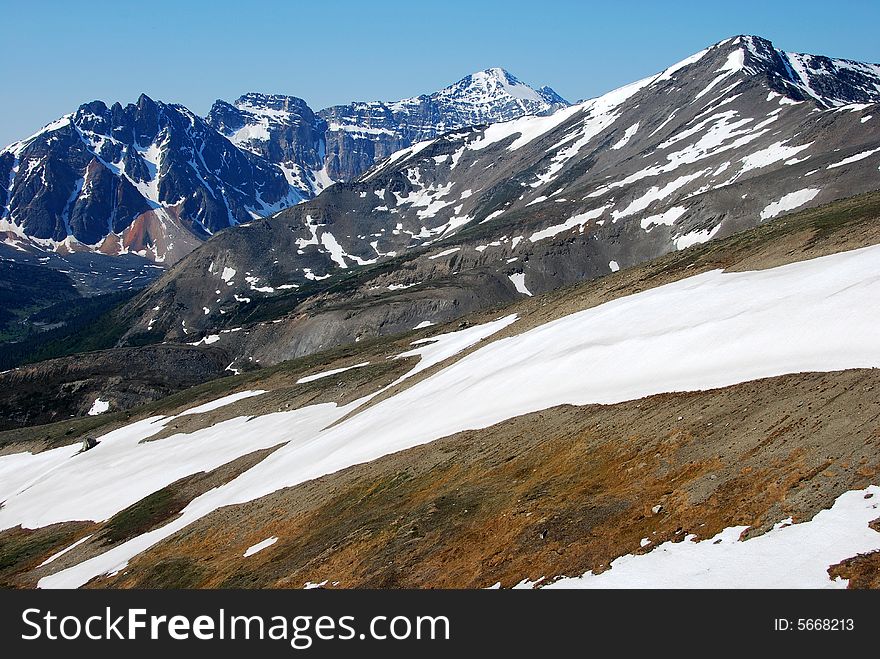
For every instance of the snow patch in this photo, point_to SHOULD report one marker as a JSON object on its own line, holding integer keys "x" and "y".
{"x": 324, "y": 374}
{"x": 787, "y": 556}
{"x": 98, "y": 407}
{"x": 519, "y": 283}
{"x": 789, "y": 202}
{"x": 260, "y": 546}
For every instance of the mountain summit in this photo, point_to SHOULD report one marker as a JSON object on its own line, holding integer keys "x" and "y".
{"x": 341, "y": 142}
{"x": 154, "y": 179}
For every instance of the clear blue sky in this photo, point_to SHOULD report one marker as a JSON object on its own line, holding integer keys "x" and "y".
{"x": 57, "y": 55}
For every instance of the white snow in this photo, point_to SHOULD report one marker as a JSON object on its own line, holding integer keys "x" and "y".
{"x": 324, "y": 374}
{"x": 789, "y": 202}
{"x": 599, "y": 113}
{"x": 627, "y": 136}
{"x": 337, "y": 254}
{"x": 579, "y": 220}
{"x": 260, "y": 546}
{"x": 65, "y": 550}
{"x": 99, "y": 407}
{"x": 696, "y": 237}
{"x": 667, "y": 218}
{"x": 445, "y": 252}
{"x": 614, "y": 266}
{"x": 424, "y": 324}
{"x": 655, "y": 193}
{"x": 788, "y": 556}
{"x": 734, "y": 63}
{"x": 855, "y": 158}
{"x": 669, "y": 73}
{"x": 222, "y": 402}
{"x": 227, "y": 274}
{"x": 207, "y": 340}
{"x": 519, "y": 283}
{"x": 711, "y": 330}
{"x": 773, "y": 153}
{"x": 258, "y": 132}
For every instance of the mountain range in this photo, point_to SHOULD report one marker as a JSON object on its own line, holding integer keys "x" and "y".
{"x": 734, "y": 136}
{"x": 154, "y": 179}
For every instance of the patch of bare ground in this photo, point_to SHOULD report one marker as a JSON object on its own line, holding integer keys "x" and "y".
{"x": 556, "y": 492}
{"x": 862, "y": 571}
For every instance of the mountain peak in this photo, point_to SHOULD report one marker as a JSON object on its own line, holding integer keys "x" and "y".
{"x": 278, "y": 102}
{"x": 497, "y": 73}
{"x": 823, "y": 80}
{"x": 497, "y": 85}
{"x": 828, "y": 81}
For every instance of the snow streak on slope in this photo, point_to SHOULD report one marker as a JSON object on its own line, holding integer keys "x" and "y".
{"x": 711, "y": 330}
{"x": 326, "y": 374}
{"x": 788, "y": 556}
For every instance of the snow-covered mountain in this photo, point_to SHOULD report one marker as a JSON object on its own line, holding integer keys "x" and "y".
{"x": 632, "y": 342}
{"x": 360, "y": 134}
{"x": 147, "y": 178}
{"x": 341, "y": 142}
{"x": 154, "y": 179}
{"x": 730, "y": 137}
{"x": 551, "y": 438}
{"x": 282, "y": 129}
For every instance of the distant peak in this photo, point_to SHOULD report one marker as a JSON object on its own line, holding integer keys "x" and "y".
{"x": 145, "y": 101}
{"x": 256, "y": 100}
{"x": 499, "y": 83}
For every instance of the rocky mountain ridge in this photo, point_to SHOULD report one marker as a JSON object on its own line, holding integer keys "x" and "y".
{"x": 154, "y": 179}
{"x": 725, "y": 140}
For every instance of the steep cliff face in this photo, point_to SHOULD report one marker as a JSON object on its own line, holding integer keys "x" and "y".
{"x": 282, "y": 129}
{"x": 154, "y": 179}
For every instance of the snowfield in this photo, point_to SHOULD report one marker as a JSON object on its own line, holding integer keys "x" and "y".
{"x": 711, "y": 330}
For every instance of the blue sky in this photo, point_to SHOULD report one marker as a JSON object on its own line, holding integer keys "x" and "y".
{"x": 57, "y": 55}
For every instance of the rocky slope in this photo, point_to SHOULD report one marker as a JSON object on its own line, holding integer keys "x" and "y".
{"x": 531, "y": 488}
{"x": 361, "y": 134}
{"x": 727, "y": 139}
{"x": 60, "y": 389}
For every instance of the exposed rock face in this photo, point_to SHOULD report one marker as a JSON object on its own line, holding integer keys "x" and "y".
{"x": 698, "y": 150}
{"x": 58, "y": 389}
{"x": 93, "y": 180}
{"x": 341, "y": 142}
{"x": 282, "y": 129}
{"x": 361, "y": 134}
{"x": 154, "y": 179}
{"x": 485, "y": 215}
